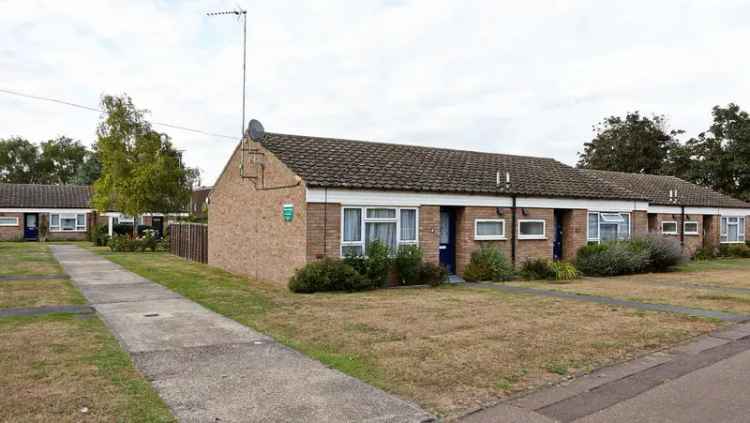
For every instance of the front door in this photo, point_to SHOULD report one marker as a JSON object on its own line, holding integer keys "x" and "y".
{"x": 157, "y": 223}
{"x": 30, "y": 226}
{"x": 557, "y": 247}
{"x": 448, "y": 239}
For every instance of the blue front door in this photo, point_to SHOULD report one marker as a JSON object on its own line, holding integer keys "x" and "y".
{"x": 448, "y": 239}
{"x": 557, "y": 247}
{"x": 31, "y": 226}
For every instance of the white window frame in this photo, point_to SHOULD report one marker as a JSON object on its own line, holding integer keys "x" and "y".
{"x": 676, "y": 227}
{"x": 598, "y": 214}
{"x": 9, "y": 217}
{"x": 363, "y": 224}
{"x": 478, "y": 237}
{"x": 724, "y": 222}
{"x": 543, "y": 235}
{"x": 74, "y": 216}
{"x": 692, "y": 222}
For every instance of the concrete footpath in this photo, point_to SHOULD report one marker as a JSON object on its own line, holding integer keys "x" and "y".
{"x": 705, "y": 380}
{"x": 208, "y": 368}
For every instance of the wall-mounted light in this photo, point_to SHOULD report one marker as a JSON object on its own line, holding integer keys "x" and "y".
{"x": 524, "y": 212}
{"x": 499, "y": 211}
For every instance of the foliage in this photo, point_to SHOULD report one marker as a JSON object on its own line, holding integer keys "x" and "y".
{"x": 122, "y": 229}
{"x": 536, "y": 268}
{"x": 705, "y": 253}
{"x": 734, "y": 250}
{"x": 56, "y": 161}
{"x": 89, "y": 170}
{"x": 488, "y": 264}
{"x": 140, "y": 169}
{"x": 610, "y": 259}
{"x": 635, "y": 143}
{"x": 328, "y": 275}
{"x": 563, "y": 271}
{"x": 18, "y": 161}
{"x": 432, "y": 274}
{"x": 407, "y": 264}
{"x": 663, "y": 252}
{"x": 123, "y": 243}
{"x": 43, "y": 228}
{"x": 60, "y": 160}
{"x": 375, "y": 266}
{"x": 101, "y": 235}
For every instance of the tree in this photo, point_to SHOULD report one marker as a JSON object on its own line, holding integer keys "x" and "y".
{"x": 18, "y": 161}
{"x": 60, "y": 160}
{"x": 90, "y": 170}
{"x": 636, "y": 144}
{"x": 140, "y": 169}
{"x": 722, "y": 154}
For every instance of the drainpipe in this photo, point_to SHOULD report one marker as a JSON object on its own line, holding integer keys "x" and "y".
{"x": 682, "y": 228}
{"x": 325, "y": 220}
{"x": 513, "y": 233}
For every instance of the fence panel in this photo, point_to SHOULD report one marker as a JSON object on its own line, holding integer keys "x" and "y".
{"x": 189, "y": 240}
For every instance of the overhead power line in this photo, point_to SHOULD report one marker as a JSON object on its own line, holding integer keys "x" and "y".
{"x": 94, "y": 109}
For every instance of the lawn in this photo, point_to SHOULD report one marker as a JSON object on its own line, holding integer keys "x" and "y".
{"x": 449, "y": 349}
{"x": 690, "y": 286}
{"x": 62, "y": 367}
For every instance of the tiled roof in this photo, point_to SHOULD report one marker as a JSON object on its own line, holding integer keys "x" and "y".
{"x": 656, "y": 188}
{"x": 338, "y": 163}
{"x": 44, "y": 196}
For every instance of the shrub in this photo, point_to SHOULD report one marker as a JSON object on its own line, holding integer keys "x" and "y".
{"x": 735, "y": 250}
{"x": 407, "y": 263}
{"x": 563, "y": 271}
{"x": 141, "y": 229}
{"x": 537, "y": 268}
{"x": 150, "y": 239}
{"x": 611, "y": 259}
{"x": 488, "y": 264}
{"x": 327, "y": 275}
{"x": 375, "y": 266}
{"x": 432, "y": 274}
{"x": 101, "y": 236}
{"x": 123, "y": 244}
{"x": 663, "y": 253}
{"x": 122, "y": 229}
{"x": 705, "y": 253}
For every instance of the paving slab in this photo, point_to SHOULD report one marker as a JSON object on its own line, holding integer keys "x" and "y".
{"x": 127, "y": 292}
{"x": 265, "y": 381}
{"x": 507, "y": 414}
{"x": 734, "y": 333}
{"x": 108, "y": 277}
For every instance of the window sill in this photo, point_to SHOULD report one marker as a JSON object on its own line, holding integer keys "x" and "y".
{"x": 62, "y": 231}
{"x": 670, "y": 233}
{"x": 531, "y": 238}
{"x": 732, "y": 242}
{"x": 691, "y": 234}
{"x": 490, "y": 238}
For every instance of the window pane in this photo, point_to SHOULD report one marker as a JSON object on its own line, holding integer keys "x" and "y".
{"x": 691, "y": 227}
{"x": 490, "y": 228}
{"x": 669, "y": 227}
{"x": 532, "y": 228}
{"x": 742, "y": 225}
{"x": 408, "y": 225}
{"x": 8, "y": 221}
{"x": 608, "y": 232}
{"x": 351, "y": 250}
{"x": 55, "y": 220}
{"x": 593, "y": 226}
{"x": 445, "y": 227}
{"x": 733, "y": 234}
{"x": 381, "y": 231}
{"x": 623, "y": 228}
{"x": 723, "y": 226}
{"x": 381, "y": 213}
{"x": 81, "y": 220}
{"x": 352, "y": 224}
{"x": 612, "y": 217}
{"x": 68, "y": 223}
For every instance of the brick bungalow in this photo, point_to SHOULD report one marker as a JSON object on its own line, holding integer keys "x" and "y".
{"x": 66, "y": 209}
{"x": 286, "y": 200}
{"x": 696, "y": 215}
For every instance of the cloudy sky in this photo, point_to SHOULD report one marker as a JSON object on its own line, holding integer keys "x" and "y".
{"x": 504, "y": 76}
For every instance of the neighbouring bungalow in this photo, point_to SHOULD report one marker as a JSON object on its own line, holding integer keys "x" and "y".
{"x": 696, "y": 215}
{"x": 65, "y": 209}
{"x": 199, "y": 202}
{"x": 287, "y": 200}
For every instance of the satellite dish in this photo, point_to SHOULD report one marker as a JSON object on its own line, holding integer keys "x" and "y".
{"x": 255, "y": 130}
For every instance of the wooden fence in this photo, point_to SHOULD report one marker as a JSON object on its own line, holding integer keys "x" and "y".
{"x": 189, "y": 240}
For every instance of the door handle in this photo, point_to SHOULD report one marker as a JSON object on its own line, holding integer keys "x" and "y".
{"x": 443, "y": 247}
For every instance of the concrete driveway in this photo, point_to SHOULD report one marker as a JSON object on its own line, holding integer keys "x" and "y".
{"x": 208, "y": 368}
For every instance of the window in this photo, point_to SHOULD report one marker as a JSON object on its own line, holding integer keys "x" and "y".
{"x": 67, "y": 222}
{"x": 8, "y": 221}
{"x": 691, "y": 228}
{"x": 361, "y": 226}
{"x": 733, "y": 229}
{"x": 608, "y": 226}
{"x": 489, "y": 229}
{"x": 669, "y": 228}
{"x": 126, "y": 220}
{"x": 531, "y": 229}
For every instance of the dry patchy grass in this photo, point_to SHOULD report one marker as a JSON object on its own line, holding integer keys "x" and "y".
{"x": 448, "y": 349}
{"x": 31, "y": 293}
{"x": 27, "y": 258}
{"x": 53, "y": 367}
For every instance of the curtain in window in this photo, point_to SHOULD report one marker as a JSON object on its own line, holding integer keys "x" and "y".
{"x": 68, "y": 223}
{"x": 352, "y": 224}
{"x": 381, "y": 231}
{"x": 54, "y": 220}
{"x": 623, "y": 229}
{"x": 608, "y": 232}
{"x": 408, "y": 225}
{"x": 593, "y": 226}
{"x": 381, "y": 213}
{"x": 81, "y": 220}
{"x": 490, "y": 228}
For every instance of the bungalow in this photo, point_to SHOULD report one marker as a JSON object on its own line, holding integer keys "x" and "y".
{"x": 65, "y": 209}
{"x": 696, "y": 215}
{"x": 286, "y": 200}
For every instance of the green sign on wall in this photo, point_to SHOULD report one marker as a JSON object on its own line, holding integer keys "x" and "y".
{"x": 288, "y": 212}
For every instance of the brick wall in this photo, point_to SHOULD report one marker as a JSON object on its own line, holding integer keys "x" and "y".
{"x": 639, "y": 222}
{"x": 429, "y": 233}
{"x": 12, "y": 233}
{"x": 575, "y": 231}
{"x": 692, "y": 242}
{"x": 712, "y": 230}
{"x": 323, "y": 218}
{"x": 246, "y": 232}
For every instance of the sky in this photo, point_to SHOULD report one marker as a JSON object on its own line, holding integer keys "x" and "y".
{"x": 512, "y": 77}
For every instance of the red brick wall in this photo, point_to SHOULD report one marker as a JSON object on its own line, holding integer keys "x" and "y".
{"x": 712, "y": 231}
{"x": 12, "y": 233}
{"x": 639, "y": 224}
{"x": 323, "y": 217}
{"x": 575, "y": 231}
{"x": 246, "y": 232}
{"x": 692, "y": 242}
{"x": 429, "y": 233}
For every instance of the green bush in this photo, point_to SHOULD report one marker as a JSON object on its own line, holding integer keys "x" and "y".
{"x": 122, "y": 229}
{"x": 663, "y": 253}
{"x": 611, "y": 259}
{"x": 536, "y": 268}
{"x": 734, "y": 250}
{"x": 328, "y": 275}
{"x": 432, "y": 274}
{"x": 375, "y": 266}
{"x": 123, "y": 244}
{"x": 488, "y": 264}
{"x": 563, "y": 271}
{"x": 705, "y": 253}
{"x": 407, "y": 264}
{"x": 101, "y": 236}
